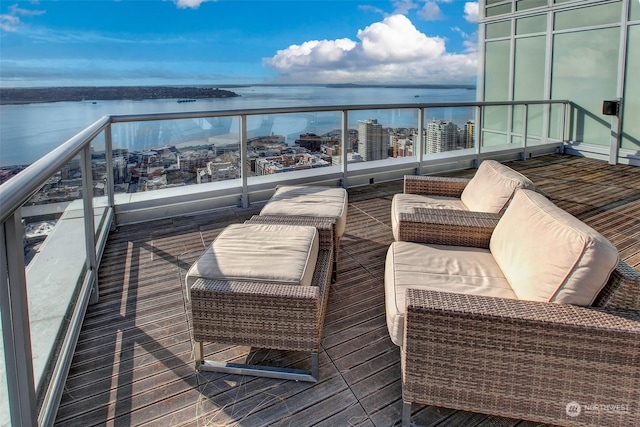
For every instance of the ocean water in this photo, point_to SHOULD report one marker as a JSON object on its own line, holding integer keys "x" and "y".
{"x": 27, "y": 132}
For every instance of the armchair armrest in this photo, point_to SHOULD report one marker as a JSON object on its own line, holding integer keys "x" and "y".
{"x": 434, "y": 185}
{"x": 447, "y": 227}
{"x": 521, "y": 359}
{"x": 622, "y": 291}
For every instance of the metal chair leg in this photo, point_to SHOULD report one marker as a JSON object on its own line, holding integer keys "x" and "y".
{"x": 406, "y": 414}
{"x": 311, "y": 375}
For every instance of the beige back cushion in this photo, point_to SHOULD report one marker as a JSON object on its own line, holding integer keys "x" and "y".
{"x": 492, "y": 187}
{"x": 547, "y": 254}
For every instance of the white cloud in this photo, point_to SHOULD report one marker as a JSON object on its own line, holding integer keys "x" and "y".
{"x": 312, "y": 54}
{"x": 392, "y": 50}
{"x": 397, "y": 39}
{"x": 430, "y": 11}
{"x": 471, "y": 11}
{"x": 193, "y": 4}
{"x": 403, "y": 7}
{"x": 10, "y": 22}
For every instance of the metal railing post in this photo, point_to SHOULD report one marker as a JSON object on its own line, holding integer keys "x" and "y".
{"x": 345, "y": 144}
{"x": 16, "y": 333}
{"x": 419, "y": 145}
{"x": 244, "y": 201}
{"x": 108, "y": 152}
{"x": 525, "y": 127}
{"x": 563, "y": 124}
{"x": 479, "y": 127}
{"x": 89, "y": 224}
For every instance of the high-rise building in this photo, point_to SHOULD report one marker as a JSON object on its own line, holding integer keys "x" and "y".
{"x": 372, "y": 141}
{"x": 466, "y": 134}
{"x": 441, "y": 136}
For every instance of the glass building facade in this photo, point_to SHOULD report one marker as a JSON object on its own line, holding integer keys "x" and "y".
{"x": 584, "y": 51}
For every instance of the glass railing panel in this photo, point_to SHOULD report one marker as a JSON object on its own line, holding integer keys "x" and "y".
{"x": 55, "y": 250}
{"x": 449, "y": 129}
{"x": 295, "y": 142}
{"x": 162, "y": 154}
{"x": 100, "y": 176}
{"x": 5, "y": 415}
{"x": 556, "y": 112}
{"x": 534, "y": 121}
{"x": 496, "y": 118}
{"x": 493, "y": 141}
{"x": 383, "y": 134}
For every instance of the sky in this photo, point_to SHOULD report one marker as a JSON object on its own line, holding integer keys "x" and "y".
{"x": 226, "y": 42}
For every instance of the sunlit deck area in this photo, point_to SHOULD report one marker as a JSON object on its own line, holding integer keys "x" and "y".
{"x": 133, "y": 364}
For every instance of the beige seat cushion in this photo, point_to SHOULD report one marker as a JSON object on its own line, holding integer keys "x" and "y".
{"x": 492, "y": 187}
{"x": 283, "y": 254}
{"x": 439, "y": 268}
{"x": 406, "y": 203}
{"x": 546, "y": 254}
{"x": 310, "y": 201}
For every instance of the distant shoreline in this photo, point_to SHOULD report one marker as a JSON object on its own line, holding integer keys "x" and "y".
{"x": 17, "y": 96}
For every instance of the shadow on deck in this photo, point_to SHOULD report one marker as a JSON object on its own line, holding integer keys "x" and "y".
{"x": 133, "y": 364}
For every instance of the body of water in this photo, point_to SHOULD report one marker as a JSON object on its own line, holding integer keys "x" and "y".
{"x": 27, "y": 132}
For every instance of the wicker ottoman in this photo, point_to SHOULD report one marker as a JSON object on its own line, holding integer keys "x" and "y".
{"x": 263, "y": 286}
{"x": 308, "y": 201}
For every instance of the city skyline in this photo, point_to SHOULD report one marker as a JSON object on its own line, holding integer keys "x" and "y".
{"x": 182, "y": 42}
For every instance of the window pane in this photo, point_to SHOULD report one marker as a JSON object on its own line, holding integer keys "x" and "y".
{"x": 499, "y": 29}
{"x": 496, "y": 84}
{"x": 499, "y": 10}
{"x": 634, "y": 11}
{"x": 534, "y": 24}
{"x": 630, "y": 122}
{"x": 578, "y": 75}
{"x": 588, "y": 16}
{"x": 530, "y": 4}
{"x": 529, "y": 75}
{"x": 497, "y": 71}
{"x": 529, "y": 68}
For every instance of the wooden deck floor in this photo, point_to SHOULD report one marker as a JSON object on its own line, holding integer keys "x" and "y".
{"x": 133, "y": 363}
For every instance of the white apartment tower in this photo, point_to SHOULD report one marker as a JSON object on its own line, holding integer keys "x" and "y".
{"x": 441, "y": 136}
{"x": 372, "y": 144}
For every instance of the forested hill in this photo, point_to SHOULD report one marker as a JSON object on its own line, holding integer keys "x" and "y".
{"x": 56, "y": 94}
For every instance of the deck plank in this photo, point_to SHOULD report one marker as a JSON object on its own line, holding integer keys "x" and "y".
{"x": 133, "y": 361}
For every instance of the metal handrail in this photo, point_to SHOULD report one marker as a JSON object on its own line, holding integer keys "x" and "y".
{"x": 15, "y": 192}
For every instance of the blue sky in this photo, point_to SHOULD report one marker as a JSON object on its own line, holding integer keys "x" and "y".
{"x": 183, "y": 42}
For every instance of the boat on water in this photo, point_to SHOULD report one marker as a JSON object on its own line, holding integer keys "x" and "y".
{"x": 186, "y": 100}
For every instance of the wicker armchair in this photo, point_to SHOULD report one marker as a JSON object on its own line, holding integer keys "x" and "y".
{"x": 545, "y": 362}
{"x": 484, "y": 196}
{"x": 264, "y": 315}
